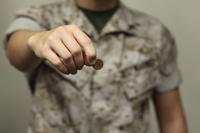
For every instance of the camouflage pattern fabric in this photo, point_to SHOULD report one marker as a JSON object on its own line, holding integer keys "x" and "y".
{"x": 139, "y": 55}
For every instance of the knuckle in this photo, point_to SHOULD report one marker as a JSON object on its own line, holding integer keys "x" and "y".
{"x": 50, "y": 39}
{"x": 68, "y": 33}
{"x": 57, "y": 64}
{"x": 68, "y": 30}
{"x": 55, "y": 35}
{"x": 66, "y": 57}
{"x": 69, "y": 64}
{"x": 73, "y": 26}
{"x": 76, "y": 51}
{"x": 60, "y": 29}
{"x": 86, "y": 40}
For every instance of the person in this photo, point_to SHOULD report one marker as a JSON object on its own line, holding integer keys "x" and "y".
{"x": 57, "y": 44}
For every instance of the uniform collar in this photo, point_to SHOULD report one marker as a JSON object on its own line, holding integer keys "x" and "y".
{"x": 121, "y": 21}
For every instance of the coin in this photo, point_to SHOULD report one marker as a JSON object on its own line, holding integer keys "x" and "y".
{"x": 98, "y": 64}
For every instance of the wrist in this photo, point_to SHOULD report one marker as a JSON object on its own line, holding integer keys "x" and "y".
{"x": 31, "y": 45}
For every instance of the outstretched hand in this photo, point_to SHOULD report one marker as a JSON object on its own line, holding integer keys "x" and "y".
{"x": 66, "y": 47}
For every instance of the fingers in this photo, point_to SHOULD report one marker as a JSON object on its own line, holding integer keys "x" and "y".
{"x": 74, "y": 48}
{"x": 64, "y": 55}
{"x": 55, "y": 60}
{"x": 86, "y": 44}
{"x": 68, "y": 49}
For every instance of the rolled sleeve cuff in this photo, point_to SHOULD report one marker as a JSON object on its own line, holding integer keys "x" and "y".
{"x": 22, "y": 23}
{"x": 170, "y": 82}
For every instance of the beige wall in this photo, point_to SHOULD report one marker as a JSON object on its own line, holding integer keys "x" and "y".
{"x": 181, "y": 16}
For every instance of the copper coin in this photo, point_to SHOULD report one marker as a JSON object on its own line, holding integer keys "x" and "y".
{"x": 98, "y": 64}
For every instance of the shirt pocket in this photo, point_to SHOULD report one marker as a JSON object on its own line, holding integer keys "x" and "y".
{"x": 139, "y": 69}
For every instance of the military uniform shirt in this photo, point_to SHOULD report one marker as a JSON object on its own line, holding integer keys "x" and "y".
{"x": 139, "y": 55}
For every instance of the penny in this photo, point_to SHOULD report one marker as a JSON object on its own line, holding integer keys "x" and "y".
{"x": 98, "y": 64}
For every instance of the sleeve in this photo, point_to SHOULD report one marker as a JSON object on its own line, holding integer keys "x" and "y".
{"x": 168, "y": 67}
{"x": 30, "y": 18}
{"x": 25, "y": 19}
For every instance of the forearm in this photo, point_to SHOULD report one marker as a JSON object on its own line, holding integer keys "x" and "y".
{"x": 65, "y": 47}
{"x": 19, "y": 53}
{"x": 170, "y": 112}
{"x": 177, "y": 125}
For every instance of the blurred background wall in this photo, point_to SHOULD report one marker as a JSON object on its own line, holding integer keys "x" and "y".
{"x": 182, "y": 18}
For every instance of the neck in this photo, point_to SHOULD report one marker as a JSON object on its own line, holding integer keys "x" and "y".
{"x": 97, "y": 5}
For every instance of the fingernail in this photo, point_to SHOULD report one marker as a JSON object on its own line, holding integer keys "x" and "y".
{"x": 92, "y": 60}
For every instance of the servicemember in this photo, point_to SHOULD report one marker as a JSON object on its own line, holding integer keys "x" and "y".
{"x": 58, "y": 45}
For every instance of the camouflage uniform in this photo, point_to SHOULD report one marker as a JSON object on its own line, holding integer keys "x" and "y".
{"x": 139, "y": 55}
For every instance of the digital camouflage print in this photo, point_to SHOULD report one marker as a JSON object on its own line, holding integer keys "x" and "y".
{"x": 139, "y": 56}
